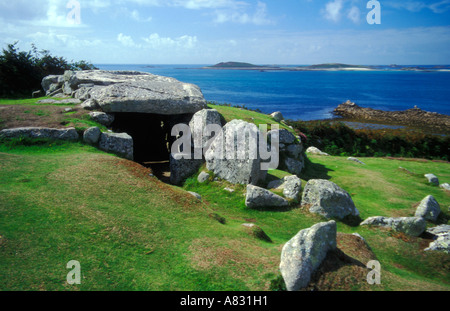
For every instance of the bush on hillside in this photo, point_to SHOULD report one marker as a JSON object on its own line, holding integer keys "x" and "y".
{"x": 336, "y": 138}
{"x": 21, "y": 72}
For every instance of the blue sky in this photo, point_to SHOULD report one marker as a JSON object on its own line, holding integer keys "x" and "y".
{"x": 211, "y": 31}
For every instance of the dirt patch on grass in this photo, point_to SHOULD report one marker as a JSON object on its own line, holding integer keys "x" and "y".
{"x": 241, "y": 260}
{"x": 35, "y": 116}
{"x": 345, "y": 268}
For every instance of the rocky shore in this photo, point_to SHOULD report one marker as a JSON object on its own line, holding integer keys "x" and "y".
{"x": 414, "y": 117}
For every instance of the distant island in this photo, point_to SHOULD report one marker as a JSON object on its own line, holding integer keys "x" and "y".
{"x": 323, "y": 67}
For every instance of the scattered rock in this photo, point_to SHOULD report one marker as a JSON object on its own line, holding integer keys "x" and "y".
{"x": 41, "y": 132}
{"x": 292, "y": 187}
{"x": 257, "y": 232}
{"x": 439, "y": 230}
{"x": 413, "y": 226}
{"x": 120, "y": 144}
{"x": 432, "y": 179}
{"x": 328, "y": 199}
{"x": 316, "y": 151}
{"x": 183, "y": 168}
{"x": 442, "y": 239}
{"x": 428, "y": 209}
{"x": 203, "y": 177}
{"x": 259, "y": 197}
{"x": 445, "y": 186}
{"x": 68, "y": 101}
{"x": 228, "y": 189}
{"x": 304, "y": 253}
{"x": 277, "y": 116}
{"x": 105, "y": 119}
{"x": 355, "y": 160}
{"x": 196, "y": 195}
{"x": 243, "y": 166}
{"x": 92, "y": 135}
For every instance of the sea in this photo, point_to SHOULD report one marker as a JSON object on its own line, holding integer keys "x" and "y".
{"x": 311, "y": 95}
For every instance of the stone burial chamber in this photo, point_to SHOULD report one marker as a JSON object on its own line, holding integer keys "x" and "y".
{"x": 142, "y": 105}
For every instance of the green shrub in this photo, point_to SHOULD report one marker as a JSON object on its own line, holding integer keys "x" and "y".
{"x": 21, "y": 73}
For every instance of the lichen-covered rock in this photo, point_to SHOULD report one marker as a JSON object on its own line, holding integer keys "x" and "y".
{"x": 428, "y": 209}
{"x": 260, "y": 197}
{"x": 292, "y": 187}
{"x": 328, "y": 199}
{"x": 40, "y": 132}
{"x": 243, "y": 164}
{"x": 304, "y": 253}
{"x": 413, "y": 226}
{"x": 120, "y": 144}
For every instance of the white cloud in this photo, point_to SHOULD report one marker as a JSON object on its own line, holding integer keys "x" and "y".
{"x": 333, "y": 10}
{"x": 354, "y": 15}
{"x": 417, "y": 6}
{"x": 155, "y": 41}
{"x": 260, "y": 16}
{"x": 126, "y": 40}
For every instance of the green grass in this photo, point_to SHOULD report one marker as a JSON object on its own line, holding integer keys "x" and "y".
{"x": 30, "y": 102}
{"x": 63, "y": 201}
{"x": 231, "y": 113}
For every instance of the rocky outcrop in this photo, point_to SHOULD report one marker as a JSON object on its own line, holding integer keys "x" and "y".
{"x": 328, "y": 199}
{"x": 242, "y": 165}
{"x": 129, "y": 91}
{"x": 412, "y": 117}
{"x": 260, "y": 197}
{"x": 120, "y": 144}
{"x": 41, "y": 132}
{"x": 304, "y": 253}
{"x": 428, "y": 209}
{"x": 413, "y": 226}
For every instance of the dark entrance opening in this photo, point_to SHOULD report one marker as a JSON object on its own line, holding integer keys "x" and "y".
{"x": 152, "y": 139}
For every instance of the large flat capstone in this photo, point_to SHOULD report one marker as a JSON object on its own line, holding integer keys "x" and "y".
{"x": 132, "y": 91}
